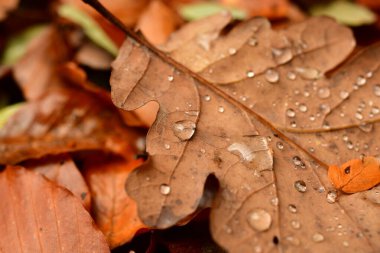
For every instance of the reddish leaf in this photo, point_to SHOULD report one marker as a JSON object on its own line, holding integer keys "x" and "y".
{"x": 39, "y": 216}
{"x": 114, "y": 212}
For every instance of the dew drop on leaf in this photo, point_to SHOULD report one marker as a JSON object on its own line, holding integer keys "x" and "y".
{"x": 376, "y": 90}
{"x": 220, "y": 109}
{"x": 317, "y": 237}
{"x": 291, "y": 75}
{"x": 300, "y": 186}
{"x": 184, "y": 129}
{"x": 167, "y": 146}
{"x": 250, "y": 74}
{"x": 324, "y": 93}
{"x": 290, "y": 113}
{"x": 170, "y": 78}
{"x": 344, "y": 94}
{"x": 282, "y": 55}
{"x": 331, "y": 196}
{"x": 292, "y": 208}
{"x": 252, "y": 41}
{"x": 232, "y": 51}
{"x": 259, "y": 220}
{"x": 302, "y": 108}
{"x": 360, "y": 81}
{"x": 165, "y": 189}
{"x": 308, "y": 73}
{"x": 295, "y": 224}
{"x": 280, "y": 145}
{"x": 272, "y": 76}
{"x": 207, "y": 98}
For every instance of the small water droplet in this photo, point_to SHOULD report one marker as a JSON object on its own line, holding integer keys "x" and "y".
{"x": 331, "y": 196}
{"x": 300, "y": 186}
{"x": 258, "y": 249}
{"x": 232, "y": 51}
{"x": 203, "y": 151}
{"x": 282, "y": 55}
{"x": 293, "y": 124}
{"x": 345, "y": 138}
{"x": 302, "y": 108}
{"x": 317, "y": 237}
{"x": 345, "y": 244}
{"x": 272, "y": 76}
{"x": 290, "y": 113}
{"x": 321, "y": 189}
{"x": 297, "y": 160}
{"x": 358, "y": 115}
{"x": 259, "y": 220}
{"x": 311, "y": 150}
{"x": 295, "y": 224}
{"x": 292, "y": 208}
{"x": 274, "y": 201}
{"x": 375, "y": 110}
{"x": 306, "y": 94}
{"x": 250, "y": 74}
{"x": 376, "y": 90}
{"x": 324, "y": 92}
{"x": 312, "y": 118}
{"x": 308, "y": 73}
{"x": 369, "y": 74}
{"x": 184, "y": 129}
{"x": 165, "y": 189}
{"x": 280, "y": 145}
{"x": 207, "y": 98}
{"x": 252, "y": 41}
{"x": 325, "y": 108}
{"x": 220, "y": 109}
{"x": 350, "y": 145}
{"x": 291, "y": 75}
{"x": 170, "y": 78}
{"x": 294, "y": 241}
{"x": 360, "y": 81}
{"x": 366, "y": 127}
{"x": 166, "y": 146}
{"x": 344, "y": 94}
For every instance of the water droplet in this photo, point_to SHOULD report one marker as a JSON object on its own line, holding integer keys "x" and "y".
{"x": 290, "y": 113}
{"x": 243, "y": 150}
{"x": 259, "y": 220}
{"x": 203, "y": 151}
{"x": 311, "y": 150}
{"x": 331, "y": 196}
{"x": 324, "y": 92}
{"x": 280, "y": 146}
{"x": 252, "y": 41}
{"x": 166, "y": 146}
{"x": 344, "y": 94}
{"x": 297, "y": 161}
{"x": 207, "y": 98}
{"x": 345, "y": 138}
{"x": 376, "y": 90}
{"x": 350, "y": 145}
{"x": 250, "y": 74}
{"x": 293, "y": 240}
{"x": 300, "y": 185}
{"x": 291, "y": 75}
{"x": 165, "y": 189}
{"x": 302, "y": 108}
{"x": 308, "y": 73}
{"x": 232, "y": 51}
{"x": 306, "y": 94}
{"x": 312, "y": 118}
{"x": 282, "y": 55}
{"x": 258, "y": 249}
{"x": 360, "y": 81}
{"x": 170, "y": 78}
{"x": 317, "y": 237}
{"x": 292, "y": 208}
{"x": 358, "y": 115}
{"x": 295, "y": 224}
{"x": 345, "y": 244}
{"x": 272, "y": 76}
{"x": 366, "y": 127}
{"x": 184, "y": 129}
{"x": 321, "y": 189}
{"x": 293, "y": 124}
{"x": 325, "y": 108}
{"x": 220, "y": 109}
{"x": 274, "y": 201}
{"x": 375, "y": 110}
{"x": 369, "y": 74}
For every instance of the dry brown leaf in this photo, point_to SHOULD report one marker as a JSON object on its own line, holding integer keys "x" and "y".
{"x": 6, "y": 6}
{"x": 266, "y": 202}
{"x": 62, "y": 170}
{"x": 39, "y": 216}
{"x": 115, "y": 213}
{"x": 157, "y": 22}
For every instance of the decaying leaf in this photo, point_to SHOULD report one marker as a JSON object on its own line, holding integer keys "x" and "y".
{"x": 115, "y": 212}
{"x": 62, "y": 170}
{"x": 233, "y": 114}
{"x": 39, "y": 216}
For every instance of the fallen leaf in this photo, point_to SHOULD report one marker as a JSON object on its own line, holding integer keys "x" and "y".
{"x": 228, "y": 119}
{"x": 6, "y": 6}
{"x": 94, "y": 57}
{"x": 157, "y": 22}
{"x": 271, "y": 9}
{"x": 201, "y": 10}
{"x": 7, "y": 112}
{"x": 374, "y": 4}
{"x": 39, "y": 216}
{"x": 345, "y": 12}
{"x": 114, "y": 212}
{"x": 62, "y": 170}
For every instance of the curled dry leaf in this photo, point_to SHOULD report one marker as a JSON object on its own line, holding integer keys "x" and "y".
{"x": 39, "y": 216}
{"x": 228, "y": 118}
{"x": 62, "y": 170}
{"x": 115, "y": 212}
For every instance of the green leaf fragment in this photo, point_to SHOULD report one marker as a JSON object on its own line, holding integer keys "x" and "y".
{"x": 345, "y": 12}
{"x": 201, "y": 10}
{"x": 16, "y": 46}
{"x": 7, "y": 112}
{"x": 92, "y": 30}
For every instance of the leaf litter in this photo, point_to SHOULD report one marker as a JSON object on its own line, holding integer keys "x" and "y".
{"x": 274, "y": 192}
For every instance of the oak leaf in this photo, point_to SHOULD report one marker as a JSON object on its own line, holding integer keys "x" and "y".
{"x": 225, "y": 112}
{"x": 39, "y": 216}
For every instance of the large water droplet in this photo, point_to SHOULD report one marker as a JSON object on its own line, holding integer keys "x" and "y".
{"x": 290, "y": 113}
{"x": 300, "y": 186}
{"x": 376, "y": 90}
{"x": 295, "y": 224}
{"x": 360, "y": 81}
{"x": 272, "y": 76}
{"x": 259, "y": 220}
{"x": 302, "y": 108}
{"x": 331, "y": 196}
{"x": 282, "y": 55}
{"x": 324, "y": 92}
{"x": 317, "y": 237}
{"x": 184, "y": 129}
{"x": 232, "y": 51}
{"x": 308, "y": 73}
{"x": 250, "y": 74}
{"x": 165, "y": 189}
